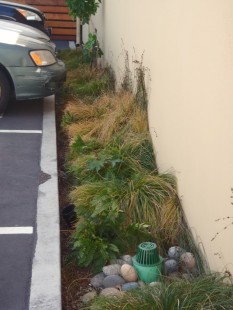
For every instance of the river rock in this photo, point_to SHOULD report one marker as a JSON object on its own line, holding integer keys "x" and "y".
{"x": 187, "y": 261}
{"x": 110, "y": 292}
{"x": 127, "y": 259}
{"x": 170, "y": 266}
{"x": 112, "y": 281}
{"x": 117, "y": 261}
{"x": 129, "y": 273}
{"x": 88, "y": 297}
{"x": 175, "y": 252}
{"x": 97, "y": 280}
{"x": 153, "y": 284}
{"x": 112, "y": 269}
{"x": 129, "y": 286}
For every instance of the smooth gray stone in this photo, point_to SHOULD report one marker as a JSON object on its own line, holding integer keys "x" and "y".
{"x": 175, "y": 252}
{"x": 117, "y": 261}
{"x": 113, "y": 280}
{"x": 129, "y": 286}
{"x": 112, "y": 269}
{"x": 110, "y": 291}
{"x": 170, "y": 266}
{"x": 127, "y": 259}
{"x": 97, "y": 280}
{"x": 88, "y": 297}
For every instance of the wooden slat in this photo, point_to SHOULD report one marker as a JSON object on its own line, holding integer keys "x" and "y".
{"x": 47, "y": 2}
{"x": 62, "y": 37}
{"x": 52, "y": 9}
{"x": 60, "y": 24}
{"x": 63, "y": 31}
{"x": 51, "y": 16}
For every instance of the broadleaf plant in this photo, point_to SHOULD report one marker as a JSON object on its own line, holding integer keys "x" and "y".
{"x": 83, "y": 9}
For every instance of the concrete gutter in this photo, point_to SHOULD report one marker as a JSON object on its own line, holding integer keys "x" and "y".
{"x": 46, "y": 270}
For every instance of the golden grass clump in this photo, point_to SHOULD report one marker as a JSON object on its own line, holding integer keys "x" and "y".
{"x": 168, "y": 224}
{"x": 86, "y": 129}
{"x": 107, "y": 116}
{"x": 139, "y": 121}
{"x": 122, "y": 110}
{"x": 86, "y": 112}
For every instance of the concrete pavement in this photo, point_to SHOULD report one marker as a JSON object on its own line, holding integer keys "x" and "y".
{"x": 46, "y": 280}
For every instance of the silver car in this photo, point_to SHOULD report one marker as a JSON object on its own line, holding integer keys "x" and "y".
{"x": 29, "y": 67}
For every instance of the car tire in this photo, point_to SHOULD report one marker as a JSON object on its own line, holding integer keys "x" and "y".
{"x": 4, "y": 91}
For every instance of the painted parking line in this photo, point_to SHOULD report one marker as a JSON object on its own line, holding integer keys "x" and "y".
{"x": 16, "y": 230}
{"x": 20, "y": 131}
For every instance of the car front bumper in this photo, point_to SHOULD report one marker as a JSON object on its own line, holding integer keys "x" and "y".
{"x": 37, "y": 82}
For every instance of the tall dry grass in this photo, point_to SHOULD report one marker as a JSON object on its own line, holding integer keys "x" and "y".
{"x": 105, "y": 117}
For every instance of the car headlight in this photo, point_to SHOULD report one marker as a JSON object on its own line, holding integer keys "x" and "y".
{"x": 42, "y": 58}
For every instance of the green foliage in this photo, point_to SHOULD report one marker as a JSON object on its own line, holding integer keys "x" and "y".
{"x": 83, "y": 9}
{"x": 141, "y": 198}
{"x": 94, "y": 87}
{"x": 79, "y": 147}
{"x": 103, "y": 163}
{"x": 100, "y": 236}
{"x": 68, "y": 118}
{"x": 90, "y": 247}
{"x": 72, "y": 58}
{"x": 121, "y": 199}
{"x": 208, "y": 292}
{"x": 116, "y": 160}
{"x": 91, "y": 49}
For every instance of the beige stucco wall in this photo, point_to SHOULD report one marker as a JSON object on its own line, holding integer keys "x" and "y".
{"x": 188, "y": 47}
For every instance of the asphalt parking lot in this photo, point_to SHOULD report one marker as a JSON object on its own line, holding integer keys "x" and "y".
{"x": 29, "y": 221}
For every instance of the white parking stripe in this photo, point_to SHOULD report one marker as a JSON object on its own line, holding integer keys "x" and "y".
{"x": 16, "y": 230}
{"x": 20, "y": 131}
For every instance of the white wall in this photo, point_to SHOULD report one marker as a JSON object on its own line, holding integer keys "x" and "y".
{"x": 188, "y": 47}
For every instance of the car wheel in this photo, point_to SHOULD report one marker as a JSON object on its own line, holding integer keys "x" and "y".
{"x": 4, "y": 91}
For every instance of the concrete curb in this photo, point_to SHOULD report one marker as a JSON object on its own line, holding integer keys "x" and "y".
{"x": 46, "y": 270}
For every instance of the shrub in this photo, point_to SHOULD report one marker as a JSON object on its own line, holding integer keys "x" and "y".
{"x": 90, "y": 247}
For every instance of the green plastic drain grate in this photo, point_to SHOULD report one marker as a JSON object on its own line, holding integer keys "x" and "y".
{"x": 147, "y": 254}
{"x": 147, "y": 262}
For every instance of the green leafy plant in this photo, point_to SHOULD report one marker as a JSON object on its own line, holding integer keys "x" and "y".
{"x": 90, "y": 248}
{"x": 83, "y": 9}
{"x": 91, "y": 49}
{"x": 143, "y": 198}
{"x": 79, "y": 147}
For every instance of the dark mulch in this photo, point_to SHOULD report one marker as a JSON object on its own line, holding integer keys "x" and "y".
{"x": 75, "y": 280}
